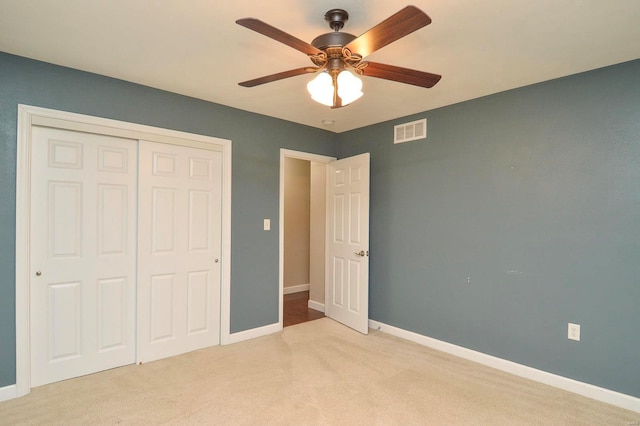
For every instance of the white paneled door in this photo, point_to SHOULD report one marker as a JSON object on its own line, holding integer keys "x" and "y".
{"x": 125, "y": 252}
{"x": 180, "y": 196}
{"x": 347, "y": 260}
{"x": 83, "y": 249}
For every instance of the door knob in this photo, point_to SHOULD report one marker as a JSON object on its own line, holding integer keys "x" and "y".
{"x": 360, "y": 253}
{"x": 38, "y": 273}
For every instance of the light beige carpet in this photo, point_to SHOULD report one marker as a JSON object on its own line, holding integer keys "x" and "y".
{"x": 317, "y": 373}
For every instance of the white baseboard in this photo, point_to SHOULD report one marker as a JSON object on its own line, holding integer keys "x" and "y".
{"x": 295, "y": 288}
{"x": 585, "y": 389}
{"x": 315, "y": 305}
{"x": 8, "y": 392}
{"x": 265, "y": 330}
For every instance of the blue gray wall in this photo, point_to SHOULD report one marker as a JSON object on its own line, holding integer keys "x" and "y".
{"x": 255, "y": 183}
{"x": 518, "y": 214}
{"x": 532, "y": 194}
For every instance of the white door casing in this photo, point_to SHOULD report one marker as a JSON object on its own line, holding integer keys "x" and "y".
{"x": 83, "y": 240}
{"x": 287, "y": 153}
{"x": 179, "y": 252}
{"x": 347, "y": 260}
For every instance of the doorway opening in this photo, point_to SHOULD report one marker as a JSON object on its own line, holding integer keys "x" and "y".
{"x": 302, "y": 236}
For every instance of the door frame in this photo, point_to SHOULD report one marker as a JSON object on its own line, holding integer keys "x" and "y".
{"x": 300, "y": 155}
{"x": 29, "y": 116}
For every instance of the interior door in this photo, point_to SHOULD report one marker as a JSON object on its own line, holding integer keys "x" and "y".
{"x": 347, "y": 260}
{"x": 179, "y": 248}
{"x": 83, "y": 248}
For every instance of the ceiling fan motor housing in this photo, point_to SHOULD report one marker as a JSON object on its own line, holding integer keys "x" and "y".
{"x": 334, "y": 39}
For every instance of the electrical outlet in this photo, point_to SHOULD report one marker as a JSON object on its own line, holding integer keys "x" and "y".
{"x": 267, "y": 224}
{"x": 574, "y": 332}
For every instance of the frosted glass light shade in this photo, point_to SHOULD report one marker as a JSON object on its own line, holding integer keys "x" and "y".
{"x": 321, "y": 89}
{"x": 349, "y": 87}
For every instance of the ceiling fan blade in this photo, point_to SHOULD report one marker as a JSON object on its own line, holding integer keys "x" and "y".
{"x": 278, "y": 76}
{"x": 402, "y": 75}
{"x": 278, "y": 35}
{"x": 391, "y": 29}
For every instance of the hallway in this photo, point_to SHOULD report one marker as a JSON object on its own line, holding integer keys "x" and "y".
{"x": 296, "y": 310}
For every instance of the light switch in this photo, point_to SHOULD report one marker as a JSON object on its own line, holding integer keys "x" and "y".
{"x": 267, "y": 224}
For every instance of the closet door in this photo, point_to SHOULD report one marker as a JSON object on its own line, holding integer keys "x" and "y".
{"x": 83, "y": 254}
{"x": 179, "y": 247}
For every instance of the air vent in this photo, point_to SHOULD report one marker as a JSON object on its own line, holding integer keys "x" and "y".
{"x": 410, "y": 131}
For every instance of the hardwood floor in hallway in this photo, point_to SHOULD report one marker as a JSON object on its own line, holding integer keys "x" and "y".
{"x": 295, "y": 309}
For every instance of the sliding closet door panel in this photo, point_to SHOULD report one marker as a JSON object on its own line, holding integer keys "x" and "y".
{"x": 83, "y": 253}
{"x": 179, "y": 249}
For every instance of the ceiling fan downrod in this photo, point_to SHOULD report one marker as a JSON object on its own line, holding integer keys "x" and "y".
{"x": 336, "y": 18}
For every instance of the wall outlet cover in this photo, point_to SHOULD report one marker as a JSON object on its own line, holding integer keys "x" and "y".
{"x": 573, "y": 332}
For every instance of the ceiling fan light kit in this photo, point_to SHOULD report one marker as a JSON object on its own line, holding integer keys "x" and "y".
{"x": 337, "y": 56}
{"x": 324, "y": 90}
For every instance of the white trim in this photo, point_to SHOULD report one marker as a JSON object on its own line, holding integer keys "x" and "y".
{"x": 23, "y": 236}
{"x": 287, "y": 153}
{"x": 104, "y": 126}
{"x": 265, "y": 330}
{"x": 8, "y": 392}
{"x": 295, "y": 288}
{"x": 225, "y": 285}
{"x": 312, "y": 304}
{"x": 317, "y": 158}
{"x": 585, "y": 389}
{"x": 27, "y": 117}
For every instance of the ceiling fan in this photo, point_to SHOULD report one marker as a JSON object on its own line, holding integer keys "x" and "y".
{"x": 337, "y": 54}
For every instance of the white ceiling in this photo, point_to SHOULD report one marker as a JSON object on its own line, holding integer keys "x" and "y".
{"x": 194, "y": 47}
